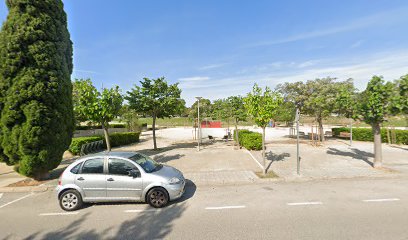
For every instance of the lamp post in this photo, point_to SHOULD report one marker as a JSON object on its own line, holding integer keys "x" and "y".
{"x": 199, "y": 123}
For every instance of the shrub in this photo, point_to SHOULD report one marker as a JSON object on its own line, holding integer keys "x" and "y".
{"x": 76, "y": 144}
{"x": 249, "y": 140}
{"x": 117, "y": 139}
{"x": 366, "y": 134}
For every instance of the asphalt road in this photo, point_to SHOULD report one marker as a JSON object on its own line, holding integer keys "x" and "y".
{"x": 332, "y": 209}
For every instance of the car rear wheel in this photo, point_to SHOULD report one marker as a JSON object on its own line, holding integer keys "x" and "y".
{"x": 70, "y": 200}
{"x": 157, "y": 198}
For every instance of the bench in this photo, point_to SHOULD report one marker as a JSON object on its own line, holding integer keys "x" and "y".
{"x": 344, "y": 135}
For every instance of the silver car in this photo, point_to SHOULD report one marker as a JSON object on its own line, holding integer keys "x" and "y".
{"x": 118, "y": 176}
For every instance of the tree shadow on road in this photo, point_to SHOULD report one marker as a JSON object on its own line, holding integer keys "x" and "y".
{"x": 275, "y": 157}
{"x": 72, "y": 231}
{"x": 162, "y": 158}
{"x": 145, "y": 225}
{"x": 355, "y": 153}
{"x": 173, "y": 146}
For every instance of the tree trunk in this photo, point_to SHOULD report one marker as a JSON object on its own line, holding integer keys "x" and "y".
{"x": 263, "y": 150}
{"x": 321, "y": 132}
{"x": 107, "y": 140}
{"x": 154, "y": 132}
{"x": 236, "y": 134}
{"x": 377, "y": 145}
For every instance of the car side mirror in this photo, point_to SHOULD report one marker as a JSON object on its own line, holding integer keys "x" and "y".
{"x": 134, "y": 173}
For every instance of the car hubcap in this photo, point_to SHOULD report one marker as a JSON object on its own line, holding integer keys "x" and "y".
{"x": 69, "y": 201}
{"x": 157, "y": 198}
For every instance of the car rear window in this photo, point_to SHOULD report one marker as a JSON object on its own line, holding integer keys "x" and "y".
{"x": 75, "y": 170}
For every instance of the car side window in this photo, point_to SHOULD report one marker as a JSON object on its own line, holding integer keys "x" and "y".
{"x": 75, "y": 170}
{"x": 93, "y": 166}
{"x": 120, "y": 167}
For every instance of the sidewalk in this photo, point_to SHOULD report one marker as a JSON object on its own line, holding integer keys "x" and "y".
{"x": 334, "y": 159}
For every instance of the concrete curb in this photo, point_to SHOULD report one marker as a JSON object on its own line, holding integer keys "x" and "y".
{"x": 24, "y": 189}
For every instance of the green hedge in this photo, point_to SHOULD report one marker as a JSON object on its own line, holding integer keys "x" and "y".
{"x": 76, "y": 144}
{"x": 120, "y": 139}
{"x": 117, "y": 139}
{"x": 119, "y": 125}
{"x": 366, "y": 134}
{"x": 249, "y": 140}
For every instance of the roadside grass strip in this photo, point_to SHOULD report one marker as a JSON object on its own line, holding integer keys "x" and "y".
{"x": 224, "y": 207}
{"x": 304, "y": 203}
{"x": 58, "y": 214}
{"x": 18, "y": 199}
{"x": 382, "y": 200}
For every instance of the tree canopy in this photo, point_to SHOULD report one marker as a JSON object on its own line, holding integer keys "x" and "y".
{"x": 157, "y": 98}
{"x": 100, "y": 107}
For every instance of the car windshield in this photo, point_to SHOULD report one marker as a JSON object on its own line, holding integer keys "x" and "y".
{"x": 148, "y": 164}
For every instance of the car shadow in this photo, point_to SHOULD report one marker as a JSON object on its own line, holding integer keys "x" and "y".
{"x": 355, "y": 153}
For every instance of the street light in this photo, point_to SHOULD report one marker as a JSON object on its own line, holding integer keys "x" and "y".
{"x": 199, "y": 124}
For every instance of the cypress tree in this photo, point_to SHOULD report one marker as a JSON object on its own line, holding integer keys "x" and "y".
{"x": 36, "y": 116}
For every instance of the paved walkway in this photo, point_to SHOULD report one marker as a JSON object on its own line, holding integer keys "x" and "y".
{"x": 334, "y": 159}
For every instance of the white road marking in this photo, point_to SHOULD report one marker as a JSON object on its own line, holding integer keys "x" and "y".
{"x": 146, "y": 210}
{"x": 58, "y": 214}
{"x": 382, "y": 200}
{"x": 25, "y": 196}
{"x": 304, "y": 203}
{"x": 224, "y": 207}
{"x": 260, "y": 165}
{"x": 1, "y": 195}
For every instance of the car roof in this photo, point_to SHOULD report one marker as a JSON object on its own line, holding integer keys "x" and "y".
{"x": 111, "y": 154}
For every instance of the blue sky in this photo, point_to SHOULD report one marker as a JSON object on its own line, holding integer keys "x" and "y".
{"x": 216, "y": 48}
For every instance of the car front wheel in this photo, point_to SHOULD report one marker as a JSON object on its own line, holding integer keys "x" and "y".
{"x": 157, "y": 198}
{"x": 70, "y": 200}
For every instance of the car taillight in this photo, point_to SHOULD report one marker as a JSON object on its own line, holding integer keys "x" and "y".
{"x": 59, "y": 179}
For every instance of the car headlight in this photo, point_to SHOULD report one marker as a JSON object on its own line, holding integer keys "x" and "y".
{"x": 174, "y": 180}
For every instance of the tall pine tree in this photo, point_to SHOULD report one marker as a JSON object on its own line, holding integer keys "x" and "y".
{"x": 36, "y": 116}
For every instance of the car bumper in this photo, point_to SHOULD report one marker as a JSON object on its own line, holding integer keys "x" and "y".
{"x": 176, "y": 191}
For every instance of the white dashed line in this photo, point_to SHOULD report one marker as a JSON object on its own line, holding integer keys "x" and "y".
{"x": 382, "y": 200}
{"x": 1, "y": 195}
{"x": 18, "y": 199}
{"x": 137, "y": 211}
{"x": 58, "y": 214}
{"x": 224, "y": 207}
{"x": 304, "y": 203}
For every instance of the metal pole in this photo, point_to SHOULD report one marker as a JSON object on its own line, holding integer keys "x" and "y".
{"x": 199, "y": 125}
{"x": 351, "y": 132}
{"x": 297, "y": 142}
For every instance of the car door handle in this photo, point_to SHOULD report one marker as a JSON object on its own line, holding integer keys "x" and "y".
{"x": 80, "y": 178}
{"x": 110, "y": 179}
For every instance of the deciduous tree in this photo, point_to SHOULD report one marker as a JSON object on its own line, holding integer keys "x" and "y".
{"x": 156, "y": 98}
{"x": 374, "y": 105}
{"x": 262, "y": 107}
{"x": 100, "y": 107}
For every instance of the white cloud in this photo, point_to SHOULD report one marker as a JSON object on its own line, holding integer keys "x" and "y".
{"x": 357, "y": 44}
{"x": 193, "y": 79}
{"x": 212, "y": 66}
{"x": 373, "y": 20}
{"x": 391, "y": 65}
{"x": 306, "y": 64}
